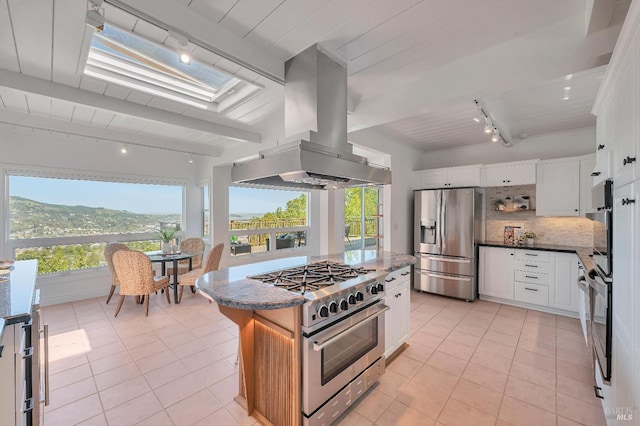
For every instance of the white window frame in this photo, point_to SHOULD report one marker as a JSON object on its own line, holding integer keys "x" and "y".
{"x": 16, "y": 243}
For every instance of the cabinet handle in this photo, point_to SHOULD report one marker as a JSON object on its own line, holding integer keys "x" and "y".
{"x": 405, "y": 273}
{"x": 628, "y": 160}
{"x": 390, "y": 279}
{"x": 531, "y": 289}
{"x": 529, "y": 276}
{"x": 508, "y": 181}
{"x": 531, "y": 266}
{"x": 627, "y": 201}
{"x": 531, "y": 254}
{"x": 596, "y": 173}
{"x": 600, "y": 147}
{"x": 45, "y": 330}
{"x": 596, "y": 390}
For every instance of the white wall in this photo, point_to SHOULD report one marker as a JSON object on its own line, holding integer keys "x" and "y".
{"x": 399, "y": 200}
{"x": 554, "y": 145}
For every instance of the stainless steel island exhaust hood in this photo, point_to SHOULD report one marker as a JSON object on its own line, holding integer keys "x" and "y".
{"x": 315, "y": 107}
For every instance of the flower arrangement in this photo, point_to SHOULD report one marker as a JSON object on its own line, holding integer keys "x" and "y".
{"x": 529, "y": 235}
{"x": 500, "y": 204}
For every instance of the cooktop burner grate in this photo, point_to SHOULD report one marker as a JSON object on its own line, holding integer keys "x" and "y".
{"x": 311, "y": 277}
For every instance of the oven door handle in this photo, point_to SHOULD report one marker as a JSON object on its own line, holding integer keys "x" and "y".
{"x": 319, "y": 345}
{"x": 583, "y": 284}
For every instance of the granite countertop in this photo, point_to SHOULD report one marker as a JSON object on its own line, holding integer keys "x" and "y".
{"x": 584, "y": 253}
{"x": 230, "y": 286}
{"x": 16, "y": 294}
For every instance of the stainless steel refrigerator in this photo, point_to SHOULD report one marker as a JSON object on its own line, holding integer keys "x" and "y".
{"x": 448, "y": 222}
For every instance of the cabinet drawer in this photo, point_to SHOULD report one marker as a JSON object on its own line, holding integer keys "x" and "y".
{"x": 529, "y": 266}
{"x": 532, "y": 255}
{"x": 532, "y": 277}
{"x": 532, "y": 293}
{"x": 398, "y": 276}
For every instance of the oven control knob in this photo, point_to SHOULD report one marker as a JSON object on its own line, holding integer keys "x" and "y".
{"x": 352, "y": 299}
{"x": 333, "y": 307}
{"x": 344, "y": 305}
{"x": 323, "y": 311}
{"x": 373, "y": 289}
{"x": 380, "y": 287}
{"x": 359, "y": 296}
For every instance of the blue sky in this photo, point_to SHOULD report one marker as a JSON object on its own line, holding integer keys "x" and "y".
{"x": 250, "y": 200}
{"x": 138, "y": 198}
{"x": 132, "y": 197}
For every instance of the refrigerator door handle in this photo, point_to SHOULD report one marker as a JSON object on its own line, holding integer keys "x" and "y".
{"x": 443, "y": 259}
{"x": 442, "y": 208}
{"x": 445, "y": 277}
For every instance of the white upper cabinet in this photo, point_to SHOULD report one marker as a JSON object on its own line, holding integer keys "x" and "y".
{"x": 558, "y": 188}
{"x": 587, "y": 166}
{"x": 447, "y": 177}
{"x": 509, "y": 174}
{"x": 624, "y": 148}
{"x": 604, "y": 143}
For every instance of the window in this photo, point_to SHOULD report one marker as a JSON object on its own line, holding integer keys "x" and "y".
{"x": 258, "y": 217}
{"x": 362, "y": 221}
{"x": 119, "y": 57}
{"x": 205, "y": 210}
{"x": 66, "y": 223}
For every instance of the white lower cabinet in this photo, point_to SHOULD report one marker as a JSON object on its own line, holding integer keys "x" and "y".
{"x": 497, "y": 266}
{"x": 565, "y": 294}
{"x": 530, "y": 277}
{"x": 398, "y": 289}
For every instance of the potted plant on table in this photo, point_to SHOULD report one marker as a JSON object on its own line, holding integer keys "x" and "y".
{"x": 500, "y": 205}
{"x": 167, "y": 235}
{"x": 529, "y": 236}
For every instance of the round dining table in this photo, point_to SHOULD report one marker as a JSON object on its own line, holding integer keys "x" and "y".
{"x": 163, "y": 258}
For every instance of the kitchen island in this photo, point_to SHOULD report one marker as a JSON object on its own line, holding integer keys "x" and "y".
{"x": 269, "y": 319}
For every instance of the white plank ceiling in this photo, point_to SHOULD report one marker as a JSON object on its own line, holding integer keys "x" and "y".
{"x": 443, "y": 53}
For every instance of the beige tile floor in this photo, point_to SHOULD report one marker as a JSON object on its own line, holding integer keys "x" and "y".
{"x": 467, "y": 364}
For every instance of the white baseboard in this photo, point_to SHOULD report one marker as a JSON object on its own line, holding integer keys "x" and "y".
{"x": 530, "y": 306}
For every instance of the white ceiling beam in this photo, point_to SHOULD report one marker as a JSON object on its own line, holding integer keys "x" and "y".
{"x": 69, "y": 129}
{"x": 598, "y": 14}
{"x": 172, "y": 15}
{"x": 38, "y": 86}
{"x": 548, "y": 53}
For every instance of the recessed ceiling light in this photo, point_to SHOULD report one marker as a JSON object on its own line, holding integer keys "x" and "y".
{"x": 123, "y": 149}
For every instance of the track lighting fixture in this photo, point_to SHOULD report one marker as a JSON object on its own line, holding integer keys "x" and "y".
{"x": 496, "y": 135}
{"x": 183, "y": 47}
{"x": 123, "y": 148}
{"x": 190, "y": 158}
{"x": 479, "y": 116}
{"x": 488, "y": 125}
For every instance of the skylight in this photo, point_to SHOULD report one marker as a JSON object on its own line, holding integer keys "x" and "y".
{"x": 122, "y": 58}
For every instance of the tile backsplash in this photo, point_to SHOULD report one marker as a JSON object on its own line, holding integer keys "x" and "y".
{"x": 573, "y": 231}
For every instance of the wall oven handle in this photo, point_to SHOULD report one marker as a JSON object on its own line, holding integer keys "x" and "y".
{"x": 319, "y": 345}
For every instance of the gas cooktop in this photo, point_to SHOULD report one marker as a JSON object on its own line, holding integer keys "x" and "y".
{"x": 311, "y": 277}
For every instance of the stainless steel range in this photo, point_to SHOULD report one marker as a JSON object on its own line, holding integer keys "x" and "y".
{"x": 342, "y": 333}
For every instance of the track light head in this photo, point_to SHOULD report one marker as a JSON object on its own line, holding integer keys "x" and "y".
{"x": 488, "y": 126}
{"x": 496, "y": 135}
{"x": 479, "y": 116}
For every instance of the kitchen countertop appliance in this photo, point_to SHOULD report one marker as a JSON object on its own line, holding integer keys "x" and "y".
{"x": 448, "y": 222}
{"x": 342, "y": 333}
